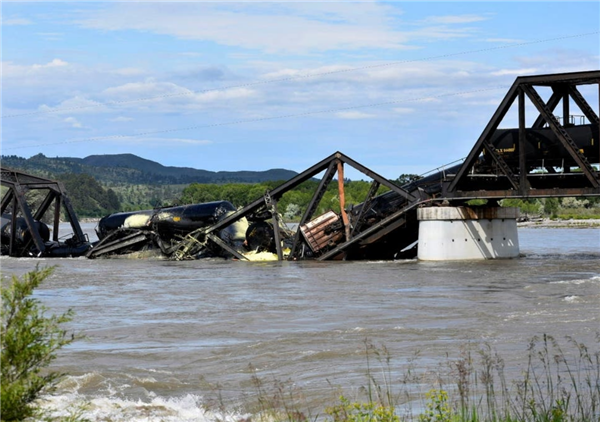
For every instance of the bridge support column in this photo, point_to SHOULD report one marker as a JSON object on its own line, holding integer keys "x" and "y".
{"x": 463, "y": 233}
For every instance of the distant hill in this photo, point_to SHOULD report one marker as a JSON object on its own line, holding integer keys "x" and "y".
{"x": 131, "y": 169}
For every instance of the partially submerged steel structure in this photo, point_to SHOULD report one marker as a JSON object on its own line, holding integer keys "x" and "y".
{"x": 22, "y": 228}
{"x": 546, "y": 159}
{"x": 538, "y": 161}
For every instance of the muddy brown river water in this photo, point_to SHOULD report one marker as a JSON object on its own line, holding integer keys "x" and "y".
{"x": 162, "y": 337}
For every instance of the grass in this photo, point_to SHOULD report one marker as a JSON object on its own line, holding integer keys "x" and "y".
{"x": 560, "y": 382}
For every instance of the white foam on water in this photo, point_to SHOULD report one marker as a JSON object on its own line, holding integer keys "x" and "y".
{"x": 571, "y": 298}
{"x": 595, "y": 279}
{"x": 186, "y": 408}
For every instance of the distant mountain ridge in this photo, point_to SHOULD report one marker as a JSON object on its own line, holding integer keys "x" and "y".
{"x": 131, "y": 169}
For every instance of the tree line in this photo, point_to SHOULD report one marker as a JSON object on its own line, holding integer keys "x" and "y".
{"x": 292, "y": 203}
{"x": 88, "y": 197}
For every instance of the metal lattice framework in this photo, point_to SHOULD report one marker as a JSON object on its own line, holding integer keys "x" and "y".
{"x": 331, "y": 165}
{"x": 518, "y": 180}
{"x": 18, "y": 183}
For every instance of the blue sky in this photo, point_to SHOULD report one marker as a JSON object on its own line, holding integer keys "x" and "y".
{"x": 402, "y": 87}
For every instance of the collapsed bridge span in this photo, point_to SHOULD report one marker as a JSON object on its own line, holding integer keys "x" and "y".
{"x": 554, "y": 156}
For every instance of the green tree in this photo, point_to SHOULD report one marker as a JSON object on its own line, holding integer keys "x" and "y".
{"x": 30, "y": 341}
{"x": 551, "y": 206}
{"x": 404, "y": 179}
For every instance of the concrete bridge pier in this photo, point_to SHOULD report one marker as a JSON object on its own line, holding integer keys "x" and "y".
{"x": 464, "y": 233}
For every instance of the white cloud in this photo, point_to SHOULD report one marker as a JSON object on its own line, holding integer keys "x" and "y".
{"x": 353, "y": 115}
{"x": 162, "y": 142}
{"x": 129, "y": 71}
{"x": 139, "y": 90}
{"x": 11, "y": 70}
{"x": 16, "y": 21}
{"x": 170, "y": 93}
{"x": 227, "y": 94}
{"x": 51, "y": 36}
{"x": 189, "y": 141}
{"x": 73, "y": 122}
{"x": 122, "y": 119}
{"x": 503, "y": 40}
{"x": 75, "y": 104}
{"x": 403, "y": 110}
{"x": 189, "y": 54}
{"x": 285, "y": 27}
{"x": 515, "y": 72}
{"x": 455, "y": 19}
{"x": 53, "y": 63}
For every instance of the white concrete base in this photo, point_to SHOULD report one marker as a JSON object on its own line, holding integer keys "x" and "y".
{"x": 462, "y": 233}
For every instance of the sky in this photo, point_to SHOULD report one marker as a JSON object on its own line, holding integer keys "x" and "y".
{"x": 401, "y": 87}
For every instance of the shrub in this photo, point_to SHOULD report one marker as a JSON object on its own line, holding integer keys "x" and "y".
{"x": 347, "y": 411}
{"x": 30, "y": 340}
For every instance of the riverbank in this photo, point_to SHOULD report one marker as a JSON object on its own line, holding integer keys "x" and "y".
{"x": 545, "y": 223}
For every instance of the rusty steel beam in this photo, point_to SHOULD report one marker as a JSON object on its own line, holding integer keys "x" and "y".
{"x": 342, "y": 197}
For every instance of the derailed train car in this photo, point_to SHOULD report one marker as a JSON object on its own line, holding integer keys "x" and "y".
{"x": 160, "y": 231}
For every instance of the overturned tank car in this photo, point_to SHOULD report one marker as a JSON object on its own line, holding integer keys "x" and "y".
{"x": 160, "y": 231}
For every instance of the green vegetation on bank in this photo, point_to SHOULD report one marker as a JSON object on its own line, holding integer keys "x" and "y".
{"x": 561, "y": 208}
{"x": 291, "y": 204}
{"x": 88, "y": 197}
{"x": 30, "y": 342}
{"x": 559, "y": 382}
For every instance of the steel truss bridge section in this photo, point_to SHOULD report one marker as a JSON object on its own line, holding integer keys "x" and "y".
{"x": 22, "y": 234}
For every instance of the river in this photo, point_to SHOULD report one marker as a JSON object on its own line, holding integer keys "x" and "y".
{"x": 163, "y": 339}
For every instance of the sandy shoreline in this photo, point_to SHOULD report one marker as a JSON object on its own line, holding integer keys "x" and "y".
{"x": 546, "y": 223}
